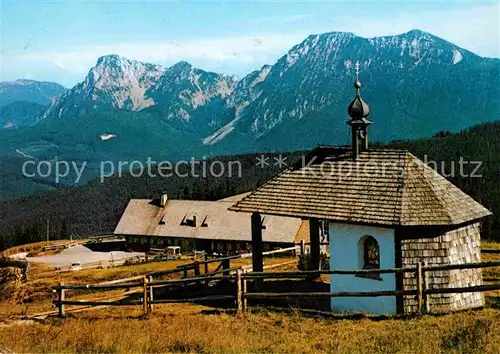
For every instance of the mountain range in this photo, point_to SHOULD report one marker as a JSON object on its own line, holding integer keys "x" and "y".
{"x": 21, "y": 101}
{"x": 40, "y": 92}
{"x": 417, "y": 84}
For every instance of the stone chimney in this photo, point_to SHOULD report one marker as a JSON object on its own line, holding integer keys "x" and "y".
{"x": 163, "y": 199}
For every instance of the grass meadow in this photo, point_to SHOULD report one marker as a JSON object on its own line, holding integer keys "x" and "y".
{"x": 192, "y": 328}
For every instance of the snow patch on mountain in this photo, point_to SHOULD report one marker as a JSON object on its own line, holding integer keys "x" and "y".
{"x": 107, "y": 136}
{"x": 220, "y": 133}
{"x": 457, "y": 56}
{"x": 347, "y": 64}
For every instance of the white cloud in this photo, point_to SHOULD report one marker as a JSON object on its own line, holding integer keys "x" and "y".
{"x": 476, "y": 29}
{"x": 280, "y": 19}
{"x": 242, "y": 49}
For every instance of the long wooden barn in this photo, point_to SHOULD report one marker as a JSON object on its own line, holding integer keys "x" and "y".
{"x": 199, "y": 225}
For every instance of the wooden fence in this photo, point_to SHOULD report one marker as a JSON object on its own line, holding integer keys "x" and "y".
{"x": 241, "y": 277}
{"x": 200, "y": 274}
{"x": 419, "y": 271}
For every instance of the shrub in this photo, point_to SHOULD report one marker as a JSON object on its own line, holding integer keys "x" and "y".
{"x": 305, "y": 262}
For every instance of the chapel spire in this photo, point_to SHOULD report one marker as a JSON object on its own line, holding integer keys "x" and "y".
{"x": 358, "y": 111}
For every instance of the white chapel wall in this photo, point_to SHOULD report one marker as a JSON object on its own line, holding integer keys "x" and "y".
{"x": 344, "y": 254}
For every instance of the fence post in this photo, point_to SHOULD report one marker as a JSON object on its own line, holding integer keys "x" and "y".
{"x": 145, "y": 295}
{"x": 420, "y": 303}
{"x": 244, "y": 292}
{"x": 206, "y": 264}
{"x": 239, "y": 297}
{"x": 197, "y": 269}
{"x": 150, "y": 280}
{"x": 226, "y": 264}
{"x": 60, "y": 298}
{"x": 425, "y": 284}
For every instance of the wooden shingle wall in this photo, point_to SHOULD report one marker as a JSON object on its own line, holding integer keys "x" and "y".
{"x": 466, "y": 248}
{"x": 458, "y": 246}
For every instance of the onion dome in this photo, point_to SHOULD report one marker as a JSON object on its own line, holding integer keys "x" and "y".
{"x": 358, "y": 109}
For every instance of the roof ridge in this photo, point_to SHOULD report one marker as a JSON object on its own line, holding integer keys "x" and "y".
{"x": 400, "y": 190}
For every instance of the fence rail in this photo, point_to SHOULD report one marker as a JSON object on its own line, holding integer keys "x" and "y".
{"x": 241, "y": 277}
{"x": 146, "y": 282}
{"x": 419, "y": 270}
{"x": 309, "y": 273}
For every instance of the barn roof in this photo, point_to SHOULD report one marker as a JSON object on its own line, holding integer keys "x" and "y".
{"x": 148, "y": 218}
{"x": 386, "y": 187}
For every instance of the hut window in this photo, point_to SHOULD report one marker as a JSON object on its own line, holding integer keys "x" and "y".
{"x": 369, "y": 254}
{"x": 188, "y": 221}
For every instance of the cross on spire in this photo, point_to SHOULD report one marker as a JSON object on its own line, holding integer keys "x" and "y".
{"x": 357, "y": 71}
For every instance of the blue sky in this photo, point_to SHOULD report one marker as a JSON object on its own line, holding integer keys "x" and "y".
{"x": 60, "y": 40}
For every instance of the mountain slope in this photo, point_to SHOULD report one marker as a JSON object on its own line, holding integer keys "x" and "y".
{"x": 416, "y": 84}
{"x": 100, "y": 135}
{"x": 245, "y": 92}
{"x": 19, "y": 113}
{"x": 39, "y": 92}
{"x": 191, "y": 97}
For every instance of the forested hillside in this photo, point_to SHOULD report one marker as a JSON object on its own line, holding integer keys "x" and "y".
{"x": 480, "y": 147}
{"x": 97, "y": 207}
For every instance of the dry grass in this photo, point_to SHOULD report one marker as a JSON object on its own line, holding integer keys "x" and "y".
{"x": 34, "y": 247}
{"x": 36, "y": 296}
{"x": 492, "y": 245}
{"x": 191, "y": 328}
{"x": 491, "y": 275}
{"x": 195, "y": 328}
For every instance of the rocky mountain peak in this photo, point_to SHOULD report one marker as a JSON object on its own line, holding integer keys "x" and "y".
{"x": 181, "y": 66}
{"x": 110, "y": 59}
{"x": 183, "y": 88}
{"x": 122, "y": 81}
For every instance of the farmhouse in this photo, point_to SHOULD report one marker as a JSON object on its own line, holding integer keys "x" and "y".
{"x": 384, "y": 209}
{"x": 198, "y": 225}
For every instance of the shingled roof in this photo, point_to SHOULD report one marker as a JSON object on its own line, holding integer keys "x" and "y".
{"x": 386, "y": 187}
{"x": 146, "y": 217}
